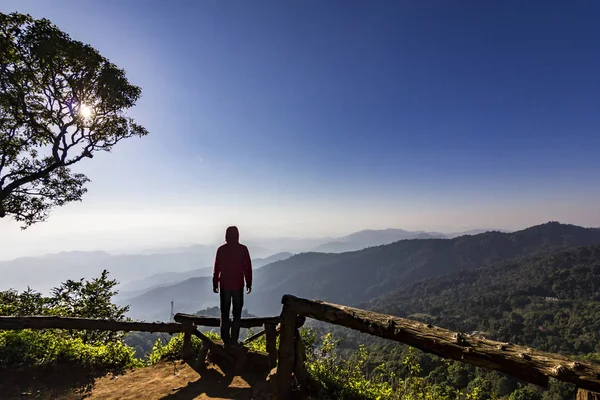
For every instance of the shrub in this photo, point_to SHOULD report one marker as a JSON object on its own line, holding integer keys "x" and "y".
{"x": 33, "y": 348}
{"x": 83, "y": 298}
{"x": 172, "y": 350}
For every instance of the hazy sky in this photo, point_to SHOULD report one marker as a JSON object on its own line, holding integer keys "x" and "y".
{"x": 304, "y": 118}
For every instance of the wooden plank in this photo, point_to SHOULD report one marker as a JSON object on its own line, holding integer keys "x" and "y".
{"x": 214, "y": 347}
{"x": 522, "y": 362}
{"x": 202, "y": 355}
{"x": 51, "y": 322}
{"x": 252, "y": 338}
{"x": 271, "y": 339}
{"x": 216, "y": 321}
{"x": 260, "y": 334}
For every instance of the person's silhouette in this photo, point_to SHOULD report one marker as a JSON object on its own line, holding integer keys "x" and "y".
{"x": 232, "y": 267}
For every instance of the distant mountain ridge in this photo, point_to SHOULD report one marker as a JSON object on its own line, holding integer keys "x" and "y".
{"x": 371, "y": 237}
{"x": 135, "y": 288}
{"x": 48, "y": 271}
{"x": 358, "y": 276}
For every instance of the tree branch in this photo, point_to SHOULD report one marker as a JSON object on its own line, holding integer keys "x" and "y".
{"x": 27, "y": 179}
{"x": 40, "y": 95}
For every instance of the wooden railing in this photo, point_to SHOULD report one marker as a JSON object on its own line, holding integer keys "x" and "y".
{"x": 186, "y": 323}
{"x": 522, "y": 362}
{"x": 190, "y": 321}
{"x": 199, "y": 320}
{"x": 47, "y": 322}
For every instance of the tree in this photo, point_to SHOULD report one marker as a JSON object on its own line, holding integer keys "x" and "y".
{"x": 60, "y": 102}
{"x": 89, "y": 299}
{"x": 82, "y": 298}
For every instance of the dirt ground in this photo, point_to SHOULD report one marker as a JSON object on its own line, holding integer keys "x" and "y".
{"x": 166, "y": 380}
{"x": 172, "y": 381}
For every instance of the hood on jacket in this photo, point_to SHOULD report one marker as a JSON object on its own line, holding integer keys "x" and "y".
{"x": 232, "y": 235}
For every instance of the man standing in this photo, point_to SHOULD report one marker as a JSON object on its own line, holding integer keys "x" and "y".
{"x": 232, "y": 267}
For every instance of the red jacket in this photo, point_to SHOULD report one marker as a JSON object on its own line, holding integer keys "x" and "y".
{"x": 232, "y": 263}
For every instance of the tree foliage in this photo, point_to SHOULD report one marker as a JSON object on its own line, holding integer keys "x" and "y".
{"x": 551, "y": 302}
{"x": 60, "y": 102}
{"x": 83, "y": 298}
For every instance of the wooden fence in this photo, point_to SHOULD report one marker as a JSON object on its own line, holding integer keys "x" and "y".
{"x": 190, "y": 322}
{"x": 522, "y": 362}
{"x": 185, "y": 323}
{"x": 46, "y": 322}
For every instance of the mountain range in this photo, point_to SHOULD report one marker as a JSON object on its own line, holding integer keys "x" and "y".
{"x": 134, "y": 288}
{"x": 45, "y": 272}
{"x": 370, "y": 238}
{"x": 359, "y": 276}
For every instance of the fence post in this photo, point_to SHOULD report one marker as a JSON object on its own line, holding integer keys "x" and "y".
{"x": 271, "y": 339}
{"x": 186, "y": 350}
{"x": 583, "y": 394}
{"x": 300, "y": 358}
{"x": 287, "y": 353}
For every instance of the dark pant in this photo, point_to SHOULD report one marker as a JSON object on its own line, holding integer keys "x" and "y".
{"x": 237, "y": 298}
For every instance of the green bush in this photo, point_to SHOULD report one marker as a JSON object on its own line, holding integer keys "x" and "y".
{"x": 259, "y": 344}
{"x": 172, "y": 350}
{"x": 350, "y": 378}
{"x": 83, "y": 298}
{"x": 33, "y": 348}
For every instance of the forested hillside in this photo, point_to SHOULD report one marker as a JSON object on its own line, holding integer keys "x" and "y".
{"x": 550, "y": 302}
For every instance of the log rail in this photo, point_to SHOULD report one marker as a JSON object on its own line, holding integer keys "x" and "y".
{"x": 525, "y": 363}
{"x": 522, "y": 362}
{"x": 51, "y": 322}
{"x": 199, "y": 320}
{"x": 185, "y": 323}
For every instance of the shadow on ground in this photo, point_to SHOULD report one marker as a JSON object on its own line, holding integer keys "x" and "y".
{"x": 47, "y": 382}
{"x": 211, "y": 383}
{"x": 222, "y": 381}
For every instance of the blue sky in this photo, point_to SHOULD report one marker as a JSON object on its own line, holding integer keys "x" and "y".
{"x": 324, "y": 117}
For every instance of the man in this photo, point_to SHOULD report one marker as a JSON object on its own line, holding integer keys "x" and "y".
{"x": 232, "y": 267}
